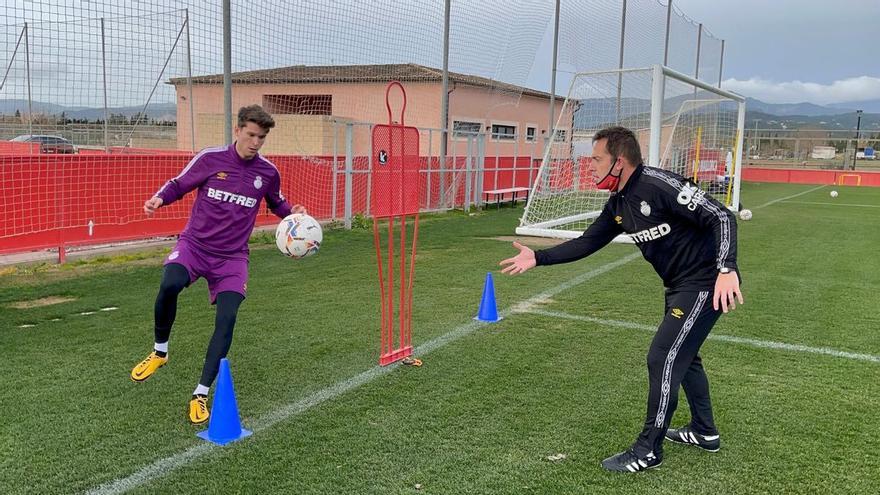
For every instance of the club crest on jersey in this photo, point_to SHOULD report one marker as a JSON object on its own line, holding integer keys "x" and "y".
{"x": 258, "y": 182}
{"x": 645, "y": 209}
{"x": 222, "y": 175}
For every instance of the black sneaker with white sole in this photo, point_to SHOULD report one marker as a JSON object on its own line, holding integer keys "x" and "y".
{"x": 686, "y": 435}
{"x": 628, "y": 462}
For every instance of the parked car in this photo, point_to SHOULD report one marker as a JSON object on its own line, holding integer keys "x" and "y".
{"x": 48, "y": 144}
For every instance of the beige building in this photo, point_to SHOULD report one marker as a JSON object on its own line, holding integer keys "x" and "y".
{"x": 313, "y": 104}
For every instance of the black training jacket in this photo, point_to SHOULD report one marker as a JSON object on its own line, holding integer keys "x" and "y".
{"x": 684, "y": 233}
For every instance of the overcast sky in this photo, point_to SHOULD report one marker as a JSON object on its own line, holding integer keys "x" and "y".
{"x": 789, "y": 51}
{"x": 779, "y": 51}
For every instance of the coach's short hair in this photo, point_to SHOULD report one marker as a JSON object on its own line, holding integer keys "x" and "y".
{"x": 621, "y": 142}
{"x": 255, "y": 114}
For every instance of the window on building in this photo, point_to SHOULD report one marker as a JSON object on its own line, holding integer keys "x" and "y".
{"x": 461, "y": 128}
{"x": 298, "y": 104}
{"x": 530, "y": 133}
{"x": 504, "y": 132}
{"x": 560, "y": 136}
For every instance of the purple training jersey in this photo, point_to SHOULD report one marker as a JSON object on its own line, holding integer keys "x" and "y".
{"x": 229, "y": 193}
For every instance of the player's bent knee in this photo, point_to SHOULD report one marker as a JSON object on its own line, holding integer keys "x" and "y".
{"x": 174, "y": 279}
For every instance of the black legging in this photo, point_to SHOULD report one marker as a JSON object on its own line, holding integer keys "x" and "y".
{"x": 673, "y": 361}
{"x": 227, "y": 309}
{"x": 176, "y": 278}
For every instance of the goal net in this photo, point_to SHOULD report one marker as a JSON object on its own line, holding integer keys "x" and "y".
{"x": 682, "y": 124}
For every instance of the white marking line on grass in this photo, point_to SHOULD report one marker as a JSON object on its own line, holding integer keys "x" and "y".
{"x": 767, "y": 344}
{"x": 163, "y": 467}
{"x": 830, "y": 204}
{"x": 788, "y": 197}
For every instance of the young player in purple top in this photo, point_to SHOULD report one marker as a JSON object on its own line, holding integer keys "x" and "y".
{"x": 231, "y": 182}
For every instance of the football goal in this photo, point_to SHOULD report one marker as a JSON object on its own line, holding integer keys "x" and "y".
{"x": 683, "y": 125}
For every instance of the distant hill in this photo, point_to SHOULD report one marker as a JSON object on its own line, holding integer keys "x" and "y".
{"x": 157, "y": 111}
{"x": 839, "y": 122}
{"x": 787, "y": 109}
{"x": 838, "y": 116}
{"x": 835, "y": 116}
{"x": 871, "y": 106}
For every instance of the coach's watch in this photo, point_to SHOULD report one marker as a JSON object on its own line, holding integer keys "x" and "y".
{"x": 724, "y": 269}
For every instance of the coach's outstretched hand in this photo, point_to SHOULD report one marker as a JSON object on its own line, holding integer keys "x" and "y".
{"x": 523, "y": 261}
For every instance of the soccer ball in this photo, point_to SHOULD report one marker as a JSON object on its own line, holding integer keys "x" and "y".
{"x": 745, "y": 214}
{"x": 298, "y": 235}
{"x": 833, "y": 194}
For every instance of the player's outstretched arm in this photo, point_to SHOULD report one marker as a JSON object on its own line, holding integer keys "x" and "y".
{"x": 152, "y": 204}
{"x": 299, "y": 209}
{"x": 727, "y": 292}
{"x": 523, "y": 261}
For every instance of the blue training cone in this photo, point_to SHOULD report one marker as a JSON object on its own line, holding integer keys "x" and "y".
{"x": 488, "y": 309}
{"x": 224, "y": 425}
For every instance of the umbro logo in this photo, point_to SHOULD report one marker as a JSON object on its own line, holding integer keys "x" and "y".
{"x": 222, "y": 175}
{"x": 677, "y": 313}
{"x": 618, "y": 219}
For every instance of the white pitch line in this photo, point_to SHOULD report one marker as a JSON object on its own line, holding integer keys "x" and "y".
{"x": 767, "y": 344}
{"x": 788, "y": 197}
{"x": 831, "y": 204}
{"x": 165, "y": 466}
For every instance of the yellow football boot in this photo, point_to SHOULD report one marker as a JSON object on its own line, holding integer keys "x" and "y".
{"x": 198, "y": 410}
{"x": 147, "y": 367}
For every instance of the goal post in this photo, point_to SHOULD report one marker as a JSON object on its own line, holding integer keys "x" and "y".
{"x": 683, "y": 125}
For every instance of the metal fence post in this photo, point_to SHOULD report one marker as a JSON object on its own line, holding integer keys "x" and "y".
{"x": 333, "y": 171}
{"x": 481, "y": 169}
{"x": 428, "y": 174}
{"x": 369, "y": 173}
{"x": 349, "y": 160}
{"x": 467, "y": 174}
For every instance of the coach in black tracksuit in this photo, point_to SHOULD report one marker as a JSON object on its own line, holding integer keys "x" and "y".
{"x": 690, "y": 240}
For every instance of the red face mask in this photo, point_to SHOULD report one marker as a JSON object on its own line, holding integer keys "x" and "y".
{"x": 609, "y": 182}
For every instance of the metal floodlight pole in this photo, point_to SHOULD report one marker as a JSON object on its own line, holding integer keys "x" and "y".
{"x": 227, "y": 71}
{"x": 858, "y": 128}
{"x": 620, "y": 63}
{"x": 27, "y": 61}
{"x": 104, "y": 74}
{"x": 668, "y": 23}
{"x": 444, "y": 105}
{"x": 189, "y": 84}
{"x": 699, "y": 42}
{"x": 553, "y": 71}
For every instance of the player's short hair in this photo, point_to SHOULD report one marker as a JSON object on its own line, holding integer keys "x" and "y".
{"x": 255, "y": 114}
{"x": 621, "y": 142}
